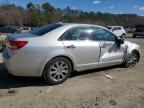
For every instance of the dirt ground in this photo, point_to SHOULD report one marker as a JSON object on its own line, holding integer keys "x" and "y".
{"x": 88, "y": 89}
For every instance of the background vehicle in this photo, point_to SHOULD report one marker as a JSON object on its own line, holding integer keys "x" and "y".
{"x": 26, "y": 29}
{"x": 2, "y": 41}
{"x": 139, "y": 31}
{"x": 2, "y": 46}
{"x": 54, "y": 51}
{"x": 129, "y": 30}
{"x": 117, "y": 30}
{"x": 4, "y": 30}
{"x": 9, "y": 29}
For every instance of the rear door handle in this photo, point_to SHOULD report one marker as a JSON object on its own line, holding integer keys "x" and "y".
{"x": 70, "y": 46}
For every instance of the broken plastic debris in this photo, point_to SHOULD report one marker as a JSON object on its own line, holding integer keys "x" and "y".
{"x": 109, "y": 76}
{"x": 112, "y": 102}
{"x": 11, "y": 90}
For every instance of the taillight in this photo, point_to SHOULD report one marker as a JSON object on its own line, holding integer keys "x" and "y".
{"x": 16, "y": 44}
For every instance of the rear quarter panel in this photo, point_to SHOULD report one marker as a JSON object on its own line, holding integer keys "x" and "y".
{"x": 42, "y": 50}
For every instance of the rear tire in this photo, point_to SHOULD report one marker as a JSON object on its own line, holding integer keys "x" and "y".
{"x": 57, "y": 70}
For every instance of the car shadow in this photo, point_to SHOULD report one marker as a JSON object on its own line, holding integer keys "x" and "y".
{"x": 8, "y": 81}
{"x": 75, "y": 74}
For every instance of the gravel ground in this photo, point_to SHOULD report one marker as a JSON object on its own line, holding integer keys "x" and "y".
{"x": 88, "y": 89}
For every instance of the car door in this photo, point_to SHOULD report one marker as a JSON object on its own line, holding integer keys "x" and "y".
{"x": 80, "y": 47}
{"x": 111, "y": 52}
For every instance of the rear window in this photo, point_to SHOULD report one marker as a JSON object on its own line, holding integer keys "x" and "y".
{"x": 45, "y": 29}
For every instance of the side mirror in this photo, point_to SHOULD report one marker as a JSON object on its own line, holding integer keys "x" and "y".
{"x": 120, "y": 41}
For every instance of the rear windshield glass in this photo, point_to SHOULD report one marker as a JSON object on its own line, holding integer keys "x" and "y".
{"x": 45, "y": 29}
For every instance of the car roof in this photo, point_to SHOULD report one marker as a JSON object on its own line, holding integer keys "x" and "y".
{"x": 114, "y": 26}
{"x": 79, "y": 24}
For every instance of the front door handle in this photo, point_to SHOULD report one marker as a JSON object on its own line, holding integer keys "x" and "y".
{"x": 70, "y": 46}
{"x": 103, "y": 45}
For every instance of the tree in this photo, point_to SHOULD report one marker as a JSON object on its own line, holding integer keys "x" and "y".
{"x": 30, "y": 5}
{"x": 37, "y": 15}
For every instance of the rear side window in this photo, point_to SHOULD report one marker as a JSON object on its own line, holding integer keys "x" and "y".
{"x": 45, "y": 29}
{"x": 78, "y": 33}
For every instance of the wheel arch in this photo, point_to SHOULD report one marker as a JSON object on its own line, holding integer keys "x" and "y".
{"x": 64, "y": 56}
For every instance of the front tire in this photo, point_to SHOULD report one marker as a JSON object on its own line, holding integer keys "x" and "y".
{"x": 57, "y": 70}
{"x": 132, "y": 59}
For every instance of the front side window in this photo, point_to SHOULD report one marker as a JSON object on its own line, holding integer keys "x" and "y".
{"x": 101, "y": 34}
{"x": 78, "y": 33}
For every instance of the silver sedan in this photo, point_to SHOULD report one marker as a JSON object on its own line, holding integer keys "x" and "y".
{"x": 54, "y": 51}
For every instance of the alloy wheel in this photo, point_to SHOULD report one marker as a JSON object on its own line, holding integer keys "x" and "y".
{"x": 59, "y": 70}
{"x": 132, "y": 60}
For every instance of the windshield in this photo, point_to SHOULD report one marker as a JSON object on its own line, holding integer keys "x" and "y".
{"x": 45, "y": 29}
